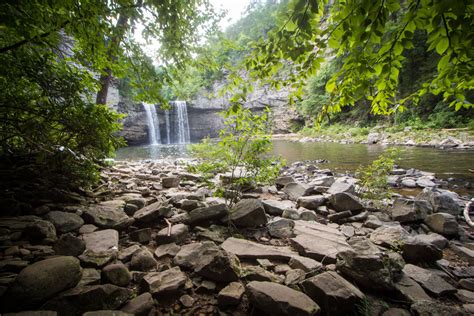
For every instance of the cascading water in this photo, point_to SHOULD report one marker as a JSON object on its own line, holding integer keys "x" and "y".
{"x": 153, "y": 124}
{"x": 168, "y": 127}
{"x": 181, "y": 124}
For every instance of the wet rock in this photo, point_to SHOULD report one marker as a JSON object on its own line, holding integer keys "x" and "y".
{"x": 248, "y": 213}
{"x": 442, "y": 201}
{"x": 170, "y": 281}
{"x": 408, "y": 290}
{"x": 405, "y": 210}
{"x": 389, "y": 236}
{"x": 109, "y": 214}
{"x": 345, "y": 202}
{"x": 208, "y": 260}
{"x": 142, "y": 236}
{"x": 205, "y": 215}
{"x": 170, "y": 182}
{"x": 311, "y": 202}
{"x": 117, "y": 274}
{"x": 431, "y": 282}
{"x": 140, "y": 305}
{"x": 246, "y": 249}
{"x": 341, "y": 187}
{"x": 69, "y": 245}
{"x": 277, "y": 299}
{"x": 330, "y": 241}
{"x": 231, "y": 294}
{"x": 281, "y": 227}
{"x": 422, "y": 248}
{"x": 276, "y": 208}
{"x": 170, "y": 250}
{"x": 368, "y": 266}
{"x": 178, "y": 234}
{"x": 101, "y": 247}
{"x": 151, "y": 213}
{"x": 334, "y": 294}
{"x": 64, "y": 222}
{"x": 296, "y": 190}
{"x": 443, "y": 223}
{"x": 79, "y": 300}
{"x": 142, "y": 260}
{"x": 40, "y": 281}
{"x": 40, "y": 231}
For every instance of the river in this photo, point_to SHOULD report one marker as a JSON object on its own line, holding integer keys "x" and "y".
{"x": 341, "y": 157}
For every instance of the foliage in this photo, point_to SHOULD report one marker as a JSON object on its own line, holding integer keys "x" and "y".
{"x": 373, "y": 178}
{"x": 242, "y": 152}
{"x": 372, "y": 38}
{"x": 57, "y": 54}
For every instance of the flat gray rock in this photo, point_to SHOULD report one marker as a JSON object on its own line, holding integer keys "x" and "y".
{"x": 109, "y": 214}
{"x": 101, "y": 247}
{"x": 246, "y": 249}
{"x": 431, "y": 282}
{"x": 274, "y": 207}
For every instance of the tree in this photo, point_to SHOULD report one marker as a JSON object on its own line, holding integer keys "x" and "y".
{"x": 57, "y": 54}
{"x": 372, "y": 37}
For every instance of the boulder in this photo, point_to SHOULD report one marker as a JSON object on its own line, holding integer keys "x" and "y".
{"x": 305, "y": 264}
{"x": 409, "y": 291}
{"x": 280, "y": 182}
{"x": 330, "y": 241}
{"x": 368, "y": 266}
{"x": 140, "y": 305}
{"x": 101, "y": 247}
{"x": 276, "y": 208}
{"x": 231, "y": 294}
{"x": 409, "y": 183}
{"x": 295, "y": 190}
{"x": 209, "y": 261}
{"x": 142, "y": 260}
{"x": 248, "y": 213}
{"x": 178, "y": 234}
{"x": 311, "y": 202}
{"x": 82, "y": 299}
{"x": 170, "y": 182}
{"x": 167, "y": 250}
{"x": 341, "y": 187}
{"x": 405, "y": 210}
{"x": 257, "y": 273}
{"x": 334, "y": 294}
{"x": 142, "y": 236}
{"x": 205, "y": 215}
{"x": 40, "y": 281}
{"x": 443, "y": 223}
{"x": 90, "y": 276}
{"x": 430, "y": 308}
{"x": 294, "y": 276}
{"x": 373, "y": 138}
{"x": 441, "y": 201}
{"x": 422, "y": 248}
{"x": 151, "y": 213}
{"x": 65, "y": 222}
{"x": 389, "y": 236}
{"x": 276, "y": 299}
{"x": 431, "y": 282}
{"x": 246, "y": 249}
{"x": 109, "y": 214}
{"x": 69, "y": 245}
{"x": 39, "y": 231}
{"x": 281, "y": 227}
{"x": 116, "y": 274}
{"x": 170, "y": 281}
{"x": 343, "y": 201}
{"x": 127, "y": 253}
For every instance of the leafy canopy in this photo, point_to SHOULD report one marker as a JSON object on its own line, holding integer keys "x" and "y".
{"x": 372, "y": 37}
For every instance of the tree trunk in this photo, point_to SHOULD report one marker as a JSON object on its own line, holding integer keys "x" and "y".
{"x": 106, "y": 77}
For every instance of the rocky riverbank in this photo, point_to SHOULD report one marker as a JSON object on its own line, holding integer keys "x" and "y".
{"x": 438, "y": 138}
{"x": 152, "y": 239}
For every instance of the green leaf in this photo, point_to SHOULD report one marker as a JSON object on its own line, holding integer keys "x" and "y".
{"x": 442, "y": 45}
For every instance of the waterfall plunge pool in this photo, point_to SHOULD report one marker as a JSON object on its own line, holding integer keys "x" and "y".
{"x": 341, "y": 157}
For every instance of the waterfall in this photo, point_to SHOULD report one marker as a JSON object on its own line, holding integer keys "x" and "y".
{"x": 168, "y": 127}
{"x": 181, "y": 132}
{"x": 153, "y": 124}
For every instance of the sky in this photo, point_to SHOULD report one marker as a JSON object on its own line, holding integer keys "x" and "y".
{"x": 234, "y": 8}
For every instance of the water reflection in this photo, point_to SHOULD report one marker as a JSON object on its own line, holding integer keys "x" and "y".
{"x": 152, "y": 152}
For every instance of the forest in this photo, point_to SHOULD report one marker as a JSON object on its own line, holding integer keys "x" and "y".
{"x": 177, "y": 157}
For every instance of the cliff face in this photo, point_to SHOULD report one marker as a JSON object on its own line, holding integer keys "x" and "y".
{"x": 203, "y": 114}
